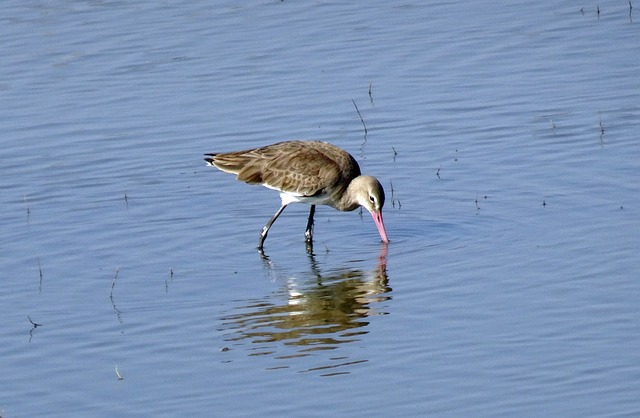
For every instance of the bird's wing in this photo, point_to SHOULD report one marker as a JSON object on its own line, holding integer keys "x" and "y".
{"x": 304, "y": 168}
{"x": 304, "y": 172}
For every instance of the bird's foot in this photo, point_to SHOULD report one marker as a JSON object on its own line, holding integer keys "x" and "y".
{"x": 309, "y": 246}
{"x": 263, "y": 236}
{"x": 308, "y": 236}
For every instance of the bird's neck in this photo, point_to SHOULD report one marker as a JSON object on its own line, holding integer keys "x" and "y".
{"x": 348, "y": 201}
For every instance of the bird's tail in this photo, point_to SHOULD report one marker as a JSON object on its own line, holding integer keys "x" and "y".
{"x": 209, "y": 159}
{"x": 235, "y": 163}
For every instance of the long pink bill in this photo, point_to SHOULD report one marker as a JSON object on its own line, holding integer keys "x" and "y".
{"x": 377, "y": 218}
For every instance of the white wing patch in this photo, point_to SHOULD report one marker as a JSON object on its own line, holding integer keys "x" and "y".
{"x": 321, "y": 199}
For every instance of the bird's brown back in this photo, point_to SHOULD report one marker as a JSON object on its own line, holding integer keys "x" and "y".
{"x": 301, "y": 167}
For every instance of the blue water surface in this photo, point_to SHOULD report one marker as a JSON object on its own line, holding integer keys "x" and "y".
{"x": 505, "y": 135}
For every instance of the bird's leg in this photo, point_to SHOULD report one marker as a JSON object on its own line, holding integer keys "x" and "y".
{"x": 308, "y": 233}
{"x": 265, "y": 229}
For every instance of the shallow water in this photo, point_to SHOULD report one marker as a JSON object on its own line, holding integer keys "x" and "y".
{"x": 506, "y": 139}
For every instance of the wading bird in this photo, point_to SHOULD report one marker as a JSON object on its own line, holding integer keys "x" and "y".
{"x": 312, "y": 172}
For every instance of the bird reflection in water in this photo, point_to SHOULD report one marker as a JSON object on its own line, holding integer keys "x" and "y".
{"x": 311, "y": 315}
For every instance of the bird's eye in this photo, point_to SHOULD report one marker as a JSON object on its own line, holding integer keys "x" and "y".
{"x": 372, "y": 199}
